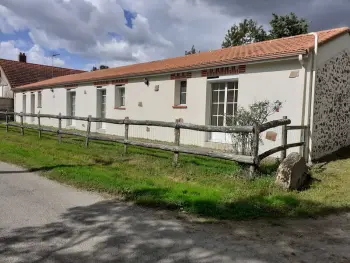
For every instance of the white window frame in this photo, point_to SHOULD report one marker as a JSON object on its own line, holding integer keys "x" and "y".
{"x": 180, "y": 92}
{"x": 234, "y": 103}
{"x": 183, "y": 92}
{"x": 119, "y": 97}
{"x": 40, "y": 97}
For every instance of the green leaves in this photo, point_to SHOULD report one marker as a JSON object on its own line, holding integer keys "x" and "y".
{"x": 248, "y": 31}
{"x": 288, "y": 25}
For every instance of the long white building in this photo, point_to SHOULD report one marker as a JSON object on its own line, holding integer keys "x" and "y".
{"x": 309, "y": 74}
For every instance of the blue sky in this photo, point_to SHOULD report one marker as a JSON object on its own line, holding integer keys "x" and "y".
{"x": 119, "y": 32}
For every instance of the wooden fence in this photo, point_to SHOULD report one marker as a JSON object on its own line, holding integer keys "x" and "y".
{"x": 252, "y": 160}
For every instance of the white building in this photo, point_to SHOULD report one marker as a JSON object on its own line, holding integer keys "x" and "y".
{"x": 313, "y": 84}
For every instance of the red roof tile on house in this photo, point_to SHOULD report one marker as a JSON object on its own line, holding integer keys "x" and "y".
{"x": 278, "y": 48}
{"x": 21, "y": 73}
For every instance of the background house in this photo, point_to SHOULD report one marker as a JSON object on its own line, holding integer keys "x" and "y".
{"x": 309, "y": 73}
{"x": 17, "y": 73}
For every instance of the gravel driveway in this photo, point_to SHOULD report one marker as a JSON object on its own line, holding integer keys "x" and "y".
{"x": 43, "y": 221}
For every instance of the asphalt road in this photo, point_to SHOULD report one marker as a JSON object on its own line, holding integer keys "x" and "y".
{"x": 43, "y": 221}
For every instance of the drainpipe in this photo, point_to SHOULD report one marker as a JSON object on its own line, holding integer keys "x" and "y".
{"x": 303, "y": 65}
{"x": 311, "y": 96}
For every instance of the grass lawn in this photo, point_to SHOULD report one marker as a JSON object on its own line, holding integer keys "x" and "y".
{"x": 201, "y": 186}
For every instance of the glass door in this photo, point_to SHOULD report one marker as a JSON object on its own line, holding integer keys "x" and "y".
{"x": 71, "y": 107}
{"x": 32, "y": 105}
{"x": 223, "y": 107}
{"x": 102, "y": 108}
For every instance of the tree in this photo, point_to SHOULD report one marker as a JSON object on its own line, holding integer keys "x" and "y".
{"x": 288, "y": 25}
{"x": 257, "y": 113}
{"x": 101, "y": 67}
{"x": 192, "y": 51}
{"x": 246, "y": 32}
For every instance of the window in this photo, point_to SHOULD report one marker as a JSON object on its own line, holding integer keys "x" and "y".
{"x": 183, "y": 90}
{"x": 224, "y": 102}
{"x": 71, "y": 107}
{"x": 119, "y": 97}
{"x": 180, "y": 94}
{"x": 39, "y": 99}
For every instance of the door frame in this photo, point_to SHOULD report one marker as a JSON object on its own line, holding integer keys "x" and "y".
{"x": 226, "y": 80}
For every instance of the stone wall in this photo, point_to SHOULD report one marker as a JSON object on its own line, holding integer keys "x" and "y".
{"x": 331, "y": 120}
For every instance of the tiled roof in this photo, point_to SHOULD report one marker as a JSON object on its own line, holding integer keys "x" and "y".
{"x": 21, "y": 73}
{"x": 278, "y": 48}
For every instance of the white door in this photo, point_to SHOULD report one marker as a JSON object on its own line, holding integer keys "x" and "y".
{"x": 223, "y": 107}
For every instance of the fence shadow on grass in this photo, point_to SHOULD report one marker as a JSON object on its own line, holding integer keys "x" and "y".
{"x": 43, "y": 168}
{"x": 110, "y": 231}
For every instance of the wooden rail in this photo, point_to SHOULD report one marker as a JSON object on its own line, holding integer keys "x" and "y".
{"x": 253, "y": 160}
{"x": 177, "y": 126}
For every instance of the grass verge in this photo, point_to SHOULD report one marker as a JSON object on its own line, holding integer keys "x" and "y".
{"x": 201, "y": 186}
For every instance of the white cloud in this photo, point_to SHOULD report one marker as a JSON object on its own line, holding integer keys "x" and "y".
{"x": 9, "y": 50}
{"x": 160, "y": 28}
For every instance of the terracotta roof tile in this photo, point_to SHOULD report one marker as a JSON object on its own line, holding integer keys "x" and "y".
{"x": 21, "y": 73}
{"x": 278, "y": 48}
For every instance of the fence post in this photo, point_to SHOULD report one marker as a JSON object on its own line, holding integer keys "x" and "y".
{"x": 22, "y": 129}
{"x": 255, "y": 151}
{"x": 88, "y": 130}
{"x": 126, "y": 134}
{"x": 7, "y": 121}
{"x": 284, "y": 140}
{"x": 176, "y": 142}
{"x": 39, "y": 125}
{"x": 59, "y": 128}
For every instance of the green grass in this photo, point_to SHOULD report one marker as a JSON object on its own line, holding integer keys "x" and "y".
{"x": 201, "y": 186}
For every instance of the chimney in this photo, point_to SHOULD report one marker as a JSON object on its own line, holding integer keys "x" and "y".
{"x": 22, "y": 57}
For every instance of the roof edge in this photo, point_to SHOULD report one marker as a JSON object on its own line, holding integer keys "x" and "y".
{"x": 287, "y": 56}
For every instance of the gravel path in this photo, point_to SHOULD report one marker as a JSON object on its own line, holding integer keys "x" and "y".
{"x": 43, "y": 221}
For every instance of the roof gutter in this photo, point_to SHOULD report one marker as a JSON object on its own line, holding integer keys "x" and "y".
{"x": 293, "y": 56}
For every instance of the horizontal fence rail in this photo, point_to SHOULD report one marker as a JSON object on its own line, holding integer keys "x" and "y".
{"x": 253, "y": 159}
{"x": 177, "y": 126}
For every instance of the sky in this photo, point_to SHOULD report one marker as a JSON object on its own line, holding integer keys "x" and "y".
{"x": 87, "y": 33}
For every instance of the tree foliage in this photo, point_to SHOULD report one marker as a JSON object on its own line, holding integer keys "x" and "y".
{"x": 249, "y": 31}
{"x": 257, "y": 113}
{"x": 288, "y": 25}
{"x": 246, "y": 32}
{"x": 101, "y": 67}
{"x": 191, "y": 51}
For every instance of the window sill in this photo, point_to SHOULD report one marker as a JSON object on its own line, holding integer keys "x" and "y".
{"x": 179, "y": 107}
{"x": 119, "y": 108}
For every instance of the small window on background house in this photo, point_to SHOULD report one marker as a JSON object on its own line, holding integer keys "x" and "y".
{"x": 39, "y": 99}
{"x": 119, "y": 96}
{"x": 183, "y": 91}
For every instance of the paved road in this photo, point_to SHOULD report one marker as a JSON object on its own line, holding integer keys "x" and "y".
{"x": 43, "y": 221}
